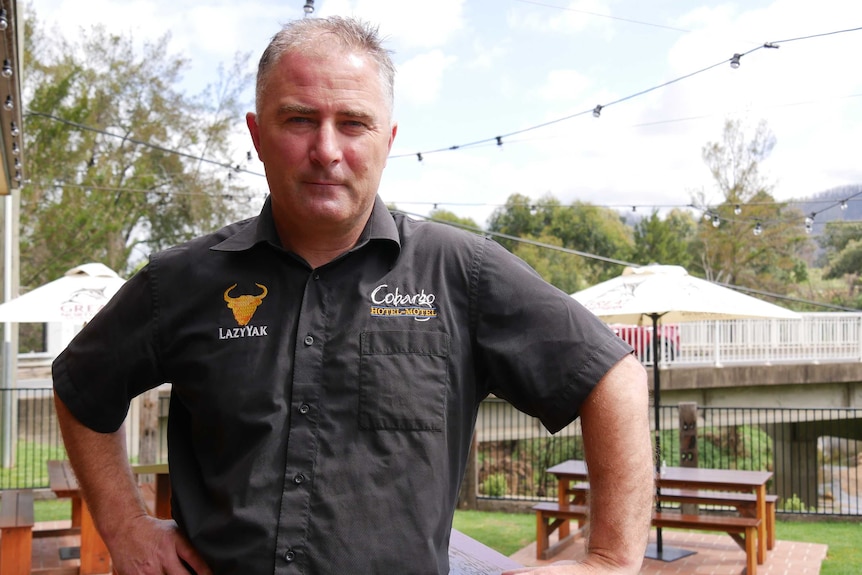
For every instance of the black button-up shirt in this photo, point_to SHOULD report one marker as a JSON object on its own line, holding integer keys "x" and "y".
{"x": 320, "y": 419}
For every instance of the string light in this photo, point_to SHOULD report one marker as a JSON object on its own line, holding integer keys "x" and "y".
{"x": 419, "y": 156}
{"x": 13, "y": 129}
{"x": 308, "y": 8}
{"x": 6, "y": 72}
{"x": 737, "y": 209}
{"x": 758, "y": 229}
{"x": 843, "y": 204}
{"x": 9, "y": 104}
{"x": 716, "y": 221}
{"x": 4, "y": 20}
{"x": 734, "y": 62}
{"x": 499, "y": 140}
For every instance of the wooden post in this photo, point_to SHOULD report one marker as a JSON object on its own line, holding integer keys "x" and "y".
{"x": 149, "y": 431}
{"x": 688, "y": 443}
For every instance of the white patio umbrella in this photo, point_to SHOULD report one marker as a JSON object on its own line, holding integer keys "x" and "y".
{"x": 73, "y": 298}
{"x": 668, "y": 294}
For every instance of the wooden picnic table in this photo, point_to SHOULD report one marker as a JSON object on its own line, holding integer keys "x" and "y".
{"x": 93, "y": 552}
{"x": 162, "y": 495}
{"x": 570, "y": 473}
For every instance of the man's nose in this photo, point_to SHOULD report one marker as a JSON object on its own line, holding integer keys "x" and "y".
{"x": 326, "y": 147}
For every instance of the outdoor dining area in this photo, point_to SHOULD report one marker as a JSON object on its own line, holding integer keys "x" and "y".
{"x": 72, "y": 547}
{"x": 739, "y": 504}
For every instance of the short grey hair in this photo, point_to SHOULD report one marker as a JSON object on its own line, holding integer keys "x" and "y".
{"x": 303, "y": 36}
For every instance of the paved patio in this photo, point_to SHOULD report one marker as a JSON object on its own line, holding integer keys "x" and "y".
{"x": 714, "y": 555}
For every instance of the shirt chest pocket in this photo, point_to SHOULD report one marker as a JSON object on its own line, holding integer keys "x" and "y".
{"x": 403, "y": 378}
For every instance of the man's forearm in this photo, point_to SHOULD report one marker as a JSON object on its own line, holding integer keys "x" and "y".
{"x": 101, "y": 465}
{"x": 618, "y": 450}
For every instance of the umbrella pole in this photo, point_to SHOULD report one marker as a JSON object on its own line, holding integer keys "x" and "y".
{"x": 658, "y": 551}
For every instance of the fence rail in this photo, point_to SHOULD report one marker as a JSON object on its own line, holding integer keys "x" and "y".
{"x": 813, "y": 453}
{"x": 816, "y": 337}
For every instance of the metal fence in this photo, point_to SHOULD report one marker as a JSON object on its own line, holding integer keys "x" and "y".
{"x": 30, "y": 436}
{"x": 815, "y": 454}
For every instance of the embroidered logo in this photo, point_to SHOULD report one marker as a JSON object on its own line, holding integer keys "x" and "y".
{"x": 420, "y": 306}
{"x": 244, "y": 306}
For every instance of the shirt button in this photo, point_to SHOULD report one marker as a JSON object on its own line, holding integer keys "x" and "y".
{"x": 289, "y": 555}
{"x": 316, "y": 277}
{"x": 308, "y": 340}
{"x": 304, "y": 408}
{"x": 298, "y": 478}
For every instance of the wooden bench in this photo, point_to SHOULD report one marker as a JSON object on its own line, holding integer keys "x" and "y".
{"x": 94, "y": 556}
{"x": 745, "y": 503}
{"x": 16, "y": 532}
{"x": 550, "y": 516}
{"x": 742, "y": 529}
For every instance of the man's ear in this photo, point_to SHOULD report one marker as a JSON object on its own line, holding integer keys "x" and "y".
{"x": 254, "y": 131}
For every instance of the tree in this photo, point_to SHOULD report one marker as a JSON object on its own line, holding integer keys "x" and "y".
{"x": 842, "y": 245}
{"x": 447, "y": 216}
{"x": 580, "y": 226}
{"x": 729, "y": 249}
{"x": 665, "y": 241}
{"x": 120, "y": 162}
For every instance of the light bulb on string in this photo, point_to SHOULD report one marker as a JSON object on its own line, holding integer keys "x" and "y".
{"x": 843, "y": 204}
{"x": 500, "y": 142}
{"x": 597, "y": 111}
{"x": 6, "y": 72}
{"x": 13, "y": 129}
{"x": 707, "y": 216}
{"x": 716, "y": 221}
{"x": 9, "y": 104}
{"x": 734, "y": 61}
{"x": 419, "y": 157}
{"x": 309, "y": 7}
{"x": 737, "y": 209}
{"x": 758, "y": 229}
{"x": 4, "y": 20}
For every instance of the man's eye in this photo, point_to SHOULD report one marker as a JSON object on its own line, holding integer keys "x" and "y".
{"x": 298, "y": 120}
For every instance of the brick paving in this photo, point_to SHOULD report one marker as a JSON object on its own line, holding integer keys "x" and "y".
{"x": 714, "y": 555}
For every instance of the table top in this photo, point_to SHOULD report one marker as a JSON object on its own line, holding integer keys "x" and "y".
{"x": 690, "y": 476}
{"x": 145, "y": 468}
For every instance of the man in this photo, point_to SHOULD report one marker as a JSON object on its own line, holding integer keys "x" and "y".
{"x": 327, "y": 359}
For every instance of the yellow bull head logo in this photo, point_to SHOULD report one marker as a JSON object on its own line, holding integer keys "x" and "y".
{"x": 244, "y": 306}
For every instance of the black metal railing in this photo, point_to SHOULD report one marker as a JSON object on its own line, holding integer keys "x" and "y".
{"x": 815, "y": 454}
{"x": 30, "y": 436}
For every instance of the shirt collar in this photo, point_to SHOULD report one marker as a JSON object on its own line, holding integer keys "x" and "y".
{"x": 380, "y": 226}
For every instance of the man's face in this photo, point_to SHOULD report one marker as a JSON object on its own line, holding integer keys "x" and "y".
{"x": 323, "y": 131}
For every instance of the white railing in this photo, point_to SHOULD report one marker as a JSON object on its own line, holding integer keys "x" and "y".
{"x": 817, "y": 337}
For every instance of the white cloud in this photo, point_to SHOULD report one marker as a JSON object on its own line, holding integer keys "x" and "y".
{"x": 418, "y": 79}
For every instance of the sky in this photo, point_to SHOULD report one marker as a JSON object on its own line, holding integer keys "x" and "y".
{"x": 533, "y": 71}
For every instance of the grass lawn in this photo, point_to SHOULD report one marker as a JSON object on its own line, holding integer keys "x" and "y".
{"x": 507, "y": 533}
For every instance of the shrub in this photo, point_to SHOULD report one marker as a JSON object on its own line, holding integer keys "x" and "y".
{"x": 495, "y": 485}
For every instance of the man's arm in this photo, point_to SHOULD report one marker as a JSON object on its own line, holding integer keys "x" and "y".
{"x": 138, "y": 543}
{"x": 615, "y": 424}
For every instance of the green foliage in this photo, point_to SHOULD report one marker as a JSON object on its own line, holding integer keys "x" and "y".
{"x": 104, "y": 184}
{"x": 580, "y": 227}
{"x": 742, "y": 447}
{"x": 495, "y": 485}
{"x": 794, "y": 505}
{"x": 665, "y": 241}
{"x": 447, "y": 216}
{"x": 730, "y": 252}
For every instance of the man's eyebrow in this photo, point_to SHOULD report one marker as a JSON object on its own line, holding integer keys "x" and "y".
{"x": 296, "y": 109}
